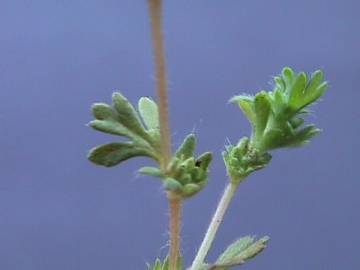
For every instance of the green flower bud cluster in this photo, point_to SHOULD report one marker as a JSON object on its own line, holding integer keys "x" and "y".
{"x": 276, "y": 116}
{"x": 185, "y": 174}
{"x": 241, "y": 160}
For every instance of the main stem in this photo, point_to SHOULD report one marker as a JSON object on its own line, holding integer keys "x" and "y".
{"x": 175, "y": 203}
{"x": 155, "y": 9}
{"x": 214, "y": 225}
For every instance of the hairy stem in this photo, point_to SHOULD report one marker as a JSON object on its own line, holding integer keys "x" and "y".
{"x": 175, "y": 203}
{"x": 155, "y": 9}
{"x": 214, "y": 225}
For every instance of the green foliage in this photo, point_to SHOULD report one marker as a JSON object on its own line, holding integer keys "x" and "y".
{"x": 123, "y": 120}
{"x": 152, "y": 171}
{"x": 276, "y": 117}
{"x": 277, "y": 121}
{"x": 112, "y": 154}
{"x": 159, "y": 265}
{"x": 149, "y": 112}
{"x": 239, "y": 252}
{"x": 242, "y": 159}
{"x": 185, "y": 174}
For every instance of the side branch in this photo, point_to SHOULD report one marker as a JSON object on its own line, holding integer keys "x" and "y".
{"x": 214, "y": 225}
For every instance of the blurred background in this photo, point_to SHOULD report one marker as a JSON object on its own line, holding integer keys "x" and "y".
{"x": 58, "y": 211}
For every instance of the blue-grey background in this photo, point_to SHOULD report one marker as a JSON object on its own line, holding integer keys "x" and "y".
{"x": 58, "y": 211}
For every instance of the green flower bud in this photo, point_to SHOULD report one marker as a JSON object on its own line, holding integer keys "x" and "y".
{"x": 241, "y": 160}
{"x": 189, "y": 172}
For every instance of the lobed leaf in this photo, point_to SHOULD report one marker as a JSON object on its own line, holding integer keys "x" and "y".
{"x": 239, "y": 252}
{"x": 106, "y": 121}
{"x": 235, "y": 248}
{"x": 149, "y": 112}
{"x": 111, "y": 154}
{"x": 128, "y": 116}
{"x": 123, "y": 120}
{"x": 275, "y": 115}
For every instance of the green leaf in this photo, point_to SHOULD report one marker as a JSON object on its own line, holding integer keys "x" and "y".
{"x": 171, "y": 184}
{"x": 239, "y": 252}
{"x": 276, "y": 116}
{"x": 279, "y": 84}
{"x": 316, "y": 79}
{"x": 111, "y": 127}
{"x": 297, "y": 91}
{"x": 156, "y": 266}
{"x": 246, "y": 105}
{"x": 279, "y": 101}
{"x": 159, "y": 265}
{"x": 288, "y": 77}
{"x": 149, "y": 112}
{"x": 123, "y": 120}
{"x": 262, "y": 111}
{"x": 235, "y": 248}
{"x": 191, "y": 189}
{"x": 128, "y": 116}
{"x": 303, "y": 136}
{"x": 204, "y": 160}
{"x": 102, "y": 111}
{"x": 111, "y": 154}
{"x": 296, "y": 122}
{"x": 304, "y": 93}
{"x": 315, "y": 95}
{"x": 187, "y": 148}
{"x": 106, "y": 121}
{"x": 151, "y": 171}
{"x": 165, "y": 265}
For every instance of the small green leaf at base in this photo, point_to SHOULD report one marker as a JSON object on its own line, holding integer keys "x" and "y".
{"x": 239, "y": 252}
{"x": 159, "y": 265}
